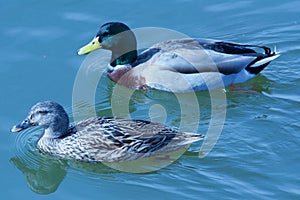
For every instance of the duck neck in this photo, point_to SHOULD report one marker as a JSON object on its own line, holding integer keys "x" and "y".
{"x": 123, "y": 58}
{"x": 48, "y": 142}
{"x": 57, "y": 131}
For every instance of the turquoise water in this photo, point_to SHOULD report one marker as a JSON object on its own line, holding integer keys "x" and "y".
{"x": 257, "y": 155}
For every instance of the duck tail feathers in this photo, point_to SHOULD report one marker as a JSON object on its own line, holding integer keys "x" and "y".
{"x": 190, "y": 138}
{"x": 262, "y": 61}
{"x": 265, "y": 60}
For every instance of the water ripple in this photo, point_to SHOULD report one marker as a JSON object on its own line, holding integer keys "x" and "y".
{"x": 25, "y": 146}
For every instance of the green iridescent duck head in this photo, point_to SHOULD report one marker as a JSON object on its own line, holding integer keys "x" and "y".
{"x": 116, "y": 37}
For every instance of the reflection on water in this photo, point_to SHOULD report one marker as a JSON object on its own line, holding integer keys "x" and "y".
{"x": 43, "y": 177}
{"x": 46, "y": 174}
{"x": 43, "y": 173}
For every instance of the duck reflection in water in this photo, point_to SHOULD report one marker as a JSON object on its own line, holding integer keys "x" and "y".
{"x": 45, "y": 173}
{"x": 44, "y": 176}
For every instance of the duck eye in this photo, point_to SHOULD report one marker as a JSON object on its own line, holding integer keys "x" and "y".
{"x": 43, "y": 112}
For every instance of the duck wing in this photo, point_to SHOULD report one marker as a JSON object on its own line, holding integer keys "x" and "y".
{"x": 122, "y": 138}
{"x": 232, "y": 58}
{"x": 203, "y": 55}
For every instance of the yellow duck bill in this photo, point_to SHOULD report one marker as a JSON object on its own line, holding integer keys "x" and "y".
{"x": 92, "y": 46}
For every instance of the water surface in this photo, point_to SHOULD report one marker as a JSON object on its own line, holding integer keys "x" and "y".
{"x": 257, "y": 155}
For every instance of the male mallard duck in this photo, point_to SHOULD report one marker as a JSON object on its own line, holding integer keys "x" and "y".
{"x": 177, "y": 65}
{"x": 101, "y": 139}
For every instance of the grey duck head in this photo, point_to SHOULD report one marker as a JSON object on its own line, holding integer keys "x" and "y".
{"x": 49, "y": 115}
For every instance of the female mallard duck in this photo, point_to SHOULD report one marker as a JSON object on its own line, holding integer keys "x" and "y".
{"x": 101, "y": 139}
{"x": 193, "y": 64}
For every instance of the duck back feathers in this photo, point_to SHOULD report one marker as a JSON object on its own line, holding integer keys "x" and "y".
{"x": 106, "y": 139}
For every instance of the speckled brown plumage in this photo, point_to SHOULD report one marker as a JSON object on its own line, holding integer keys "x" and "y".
{"x": 102, "y": 139}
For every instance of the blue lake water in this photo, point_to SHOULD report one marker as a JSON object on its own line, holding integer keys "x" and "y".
{"x": 257, "y": 155}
